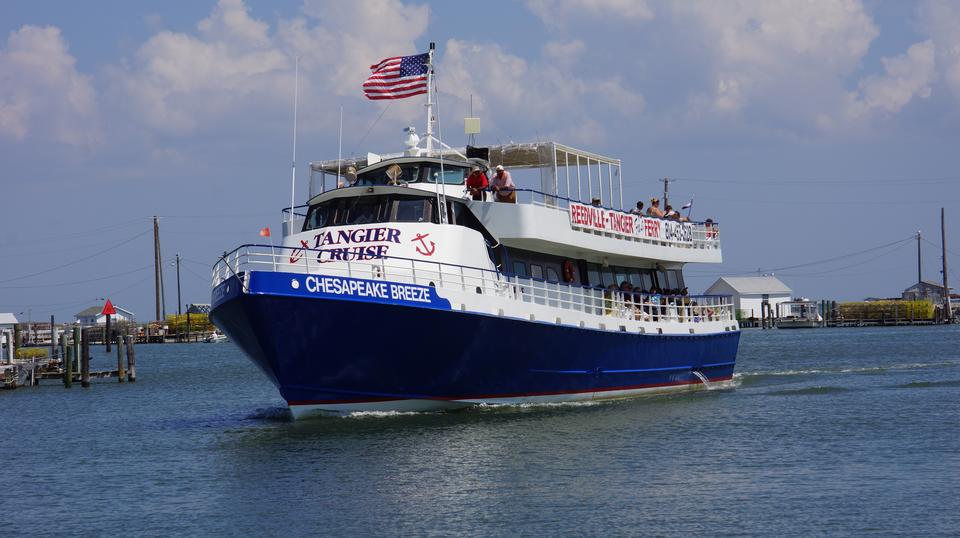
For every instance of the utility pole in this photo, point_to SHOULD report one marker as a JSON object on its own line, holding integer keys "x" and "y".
{"x": 156, "y": 263}
{"x": 919, "y": 266}
{"x": 178, "y": 285}
{"x": 943, "y": 245}
{"x": 666, "y": 192}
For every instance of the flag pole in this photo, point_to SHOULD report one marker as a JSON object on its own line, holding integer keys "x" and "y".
{"x": 690, "y": 208}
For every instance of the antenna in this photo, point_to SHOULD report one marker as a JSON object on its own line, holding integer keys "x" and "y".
{"x": 293, "y": 172}
{"x": 433, "y": 46}
{"x": 339, "y": 147}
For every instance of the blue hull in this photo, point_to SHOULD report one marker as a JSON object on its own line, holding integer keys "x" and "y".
{"x": 328, "y": 351}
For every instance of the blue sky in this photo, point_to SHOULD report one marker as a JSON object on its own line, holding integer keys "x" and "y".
{"x": 809, "y": 130}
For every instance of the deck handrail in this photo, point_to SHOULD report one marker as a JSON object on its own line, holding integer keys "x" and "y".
{"x": 605, "y": 302}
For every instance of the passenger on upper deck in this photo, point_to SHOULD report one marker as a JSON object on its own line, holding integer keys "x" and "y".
{"x": 671, "y": 213}
{"x": 596, "y": 202}
{"x": 394, "y": 173}
{"x": 503, "y": 187}
{"x": 639, "y": 209}
{"x": 477, "y": 182}
{"x": 654, "y": 209}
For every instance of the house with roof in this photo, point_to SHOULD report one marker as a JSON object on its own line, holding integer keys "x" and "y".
{"x": 92, "y": 317}
{"x": 8, "y": 323}
{"x": 750, "y": 292}
{"x": 925, "y": 290}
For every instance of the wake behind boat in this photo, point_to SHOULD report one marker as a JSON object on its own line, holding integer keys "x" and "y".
{"x": 394, "y": 289}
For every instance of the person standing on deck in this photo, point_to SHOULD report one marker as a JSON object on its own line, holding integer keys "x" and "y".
{"x": 503, "y": 186}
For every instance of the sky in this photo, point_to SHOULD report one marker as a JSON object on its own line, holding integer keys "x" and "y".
{"x": 811, "y": 131}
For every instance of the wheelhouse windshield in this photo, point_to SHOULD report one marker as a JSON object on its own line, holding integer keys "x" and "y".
{"x": 415, "y": 173}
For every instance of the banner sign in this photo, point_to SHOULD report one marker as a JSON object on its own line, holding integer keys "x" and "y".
{"x": 351, "y": 289}
{"x": 609, "y": 220}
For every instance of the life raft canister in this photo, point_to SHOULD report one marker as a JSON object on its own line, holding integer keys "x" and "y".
{"x": 568, "y": 271}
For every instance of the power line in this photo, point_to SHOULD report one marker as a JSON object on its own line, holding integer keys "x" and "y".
{"x": 906, "y": 182}
{"x": 74, "y": 262}
{"x": 75, "y": 281}
{"x": 819, "y": 262}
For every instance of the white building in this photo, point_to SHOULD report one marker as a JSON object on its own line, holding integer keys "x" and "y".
{"x": 91, "y": 317}
{"x": 7, "y": 323}
{"x": 750, "y": 292}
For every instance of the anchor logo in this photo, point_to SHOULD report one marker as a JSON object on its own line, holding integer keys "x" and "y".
{"x": 298, "y": 253}
{"x": 429, "y": 250}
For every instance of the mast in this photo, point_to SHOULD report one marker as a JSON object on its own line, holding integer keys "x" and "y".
{"x": 943, "y": 244}
{"x": 156, "y": 264}
{"x": 430, "y": 97}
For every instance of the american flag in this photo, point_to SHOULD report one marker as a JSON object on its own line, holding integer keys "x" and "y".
{"x": 397, "y": 77}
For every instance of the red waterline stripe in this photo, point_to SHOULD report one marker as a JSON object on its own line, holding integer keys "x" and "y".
{"x": 500, "y": 396}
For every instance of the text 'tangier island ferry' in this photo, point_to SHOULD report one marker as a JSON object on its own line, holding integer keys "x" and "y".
{"x": 399, "y": 292}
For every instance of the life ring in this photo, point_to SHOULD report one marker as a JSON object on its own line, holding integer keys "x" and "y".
{"x": 568, "y": 271}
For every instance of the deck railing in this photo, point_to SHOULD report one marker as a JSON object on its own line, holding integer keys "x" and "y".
{"x": 611, "y": 303}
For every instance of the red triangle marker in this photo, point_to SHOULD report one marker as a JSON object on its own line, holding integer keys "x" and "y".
{"x": 108, "y": 309}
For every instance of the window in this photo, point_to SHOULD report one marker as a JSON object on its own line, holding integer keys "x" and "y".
{"x": 606, "y": 277}
{"x": 452, "y": 175}
{"x": 536, "y": 271}
{"x": 593, "y": 274}
{"x": 552, "y": 275}
{"x": 408, "y": 174}
{"x": 619, "y": 275}
{"x": 365, "y": 210}
{"x": 520, "y": 268}
{"x": 410, "y": 210}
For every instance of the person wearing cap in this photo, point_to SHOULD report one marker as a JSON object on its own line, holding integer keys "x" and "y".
{"x": 477, "y": 182}
{"x": 654, "y": 209}
{"x": 503, "y": 186}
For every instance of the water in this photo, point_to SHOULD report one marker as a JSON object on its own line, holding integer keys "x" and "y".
{"x": 828, "y": 431}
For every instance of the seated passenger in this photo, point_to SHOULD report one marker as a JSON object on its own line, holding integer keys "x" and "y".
{"x": 349, "y": 177}
{"x": 671, "y": 213}
{"x": 638, "y": 210}
{"x": 595, "y": 202}
{"x": 654, "y": 209}
{"x": 394, "y": 173}
{"x": 477, "y": 183}
{"x": 503, "y": 187}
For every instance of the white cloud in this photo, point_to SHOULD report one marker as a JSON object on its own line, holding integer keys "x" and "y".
{"x": 788, "y": 57}
{"x": 544, "y": 96}
{"x": 941, "y": 19}
{"x": 235, "y": 64}
{"x": 906, "y": 76}
{"x": 41, "y": 92}
{"x": 563, "y": 12}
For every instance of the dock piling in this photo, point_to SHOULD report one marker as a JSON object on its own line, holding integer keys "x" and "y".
{"x": 131, "y": 361}
{"x": 121, "y": 373}
{"x": 68, "y": 368}
{"x": 85, "y": 360}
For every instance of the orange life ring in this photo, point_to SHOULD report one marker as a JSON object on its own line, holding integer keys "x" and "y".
{"x": 568, "y": 271}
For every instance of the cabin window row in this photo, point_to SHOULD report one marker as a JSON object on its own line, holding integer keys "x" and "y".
{"x": 358, "y": 210}
{"x": 559, "y": 269}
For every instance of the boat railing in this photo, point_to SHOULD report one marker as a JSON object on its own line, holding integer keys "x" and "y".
{"x": 605, "y": 302}
{"x": 703, "y": 234}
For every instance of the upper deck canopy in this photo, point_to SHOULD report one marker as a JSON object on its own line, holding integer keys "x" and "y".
{"x": 564, "y": 170}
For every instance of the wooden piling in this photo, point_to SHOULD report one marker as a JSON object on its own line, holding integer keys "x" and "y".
{"x": 53, "y": 338}
{"x": 76, "y": 349}
{"x": 121, "y": 373}
{"x": 85, "y": 359}
{"x": 131, "y": 361}
{"x": 68, "y": 368}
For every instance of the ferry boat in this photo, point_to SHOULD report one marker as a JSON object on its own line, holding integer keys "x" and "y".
{"x": 403, "y": 293}
{"x": 395, "y": 290}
